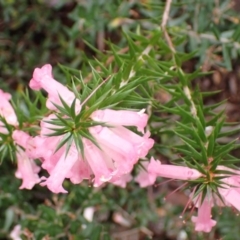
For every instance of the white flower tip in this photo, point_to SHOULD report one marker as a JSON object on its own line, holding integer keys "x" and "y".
{"x": 193, "y": 174}
{"x": 142, "y": 111}
{"x": 208, "y": 130}
{"x": 88, "y": 213}
{"x": 105, "y": 178}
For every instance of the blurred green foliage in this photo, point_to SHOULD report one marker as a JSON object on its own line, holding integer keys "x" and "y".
{"x": 74, "y": 33}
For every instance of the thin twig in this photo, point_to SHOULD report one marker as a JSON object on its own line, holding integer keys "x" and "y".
{"x": 164, "y": 24}
{"x": 169, "y": 41}
{"x": 166, "y": 13}
{"x": 90, "y": 95}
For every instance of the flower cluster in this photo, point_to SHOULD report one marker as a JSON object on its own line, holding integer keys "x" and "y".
{"x": 100, "y": 147}
{"x": 27, "y": 169}
{"x": 109, "y": 158}
{"x": 227, "y": 194}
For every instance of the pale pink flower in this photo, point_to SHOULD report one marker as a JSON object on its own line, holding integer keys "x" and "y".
{"x": 172, "y": 171}
{"x": 119, "y": 148}
{"x": 39, "y": 147}
{"x": 6, "y": 109}
{"x": 59, "y": 173}
{"x": 57, "y": 163}
{"x": 15, "y": 233}
{"x": 43, "y": 79}
{"x": 122, "y": 180}
{"x": 27, "y": 170}
{"x": 230, "y": 194}
{"x": 110, "y": 163}
{"x": 229, "y": 190}
{"x": 97, "y": 163}
{"x": 122, "y": 117}
{"x": 33, "y": 145}
{"x": 144, "y": 178}
{"x": 20, "y": 137}
{"x": 3, "y": 129}
{"x": 122, "y": 145}
{"x": 44, "y": 147}
{"x": 203, "y": 221}
{"x": 79, "y": 172}
{"x": 142, "y": 144}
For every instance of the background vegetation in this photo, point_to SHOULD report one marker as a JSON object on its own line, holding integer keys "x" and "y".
{"x": 112, "y": 36}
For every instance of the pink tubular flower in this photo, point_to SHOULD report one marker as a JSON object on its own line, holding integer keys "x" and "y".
{"x": 172, "y": 171}
{"x": 144, "y": 178}
{"x": 122, "y": 117}
{"x": 15, "y": 234}
{"x": 32, "y": 145}
{"x": 229, "y": 190}
{"x": 203, "y": 221}
{"x": 122, "y": 181}
{"x": 43, "y": 78}
{"x": 97, "y": 163}
{"x": 142, "y": 144}
{"x": 109, "y": 163}
{"x": 117, "y": 150}
{"x": 60, "y": 171}
{"x": 20, "y": 137}
{"x": 57, "y": 163}
{"x": 121, "y": 146}
{"x": 27, "y": 170}
{"x": 6, "y": 110}
{"x": 79, "y": 172}
{"x": 107, "y": 138}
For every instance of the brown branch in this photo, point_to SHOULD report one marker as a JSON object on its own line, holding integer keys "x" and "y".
{"x": 164, "y": 24}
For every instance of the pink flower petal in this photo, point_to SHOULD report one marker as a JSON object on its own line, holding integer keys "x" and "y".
{"x": 142, "y": 144}
{"x": 27, "y": 170}
{"x": 60, "y": 171}
{"x": 122, "y": 117}
{"x": 42, "y": 78}
{"x": 144, "y": 178}
{"x": 6, "y": 109}
{"x": 203, "y": 221}
{"x": 172, "y": 171}
{"x": 79, "y": 172}
{"x": 105, "y": 136}
{"x": 121, "y": 181}
{"x": 97, "y": 163}
{"x": 15, "y": 234}
{"x": 121, "y": 163}
{"x": 231, "y": 192}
